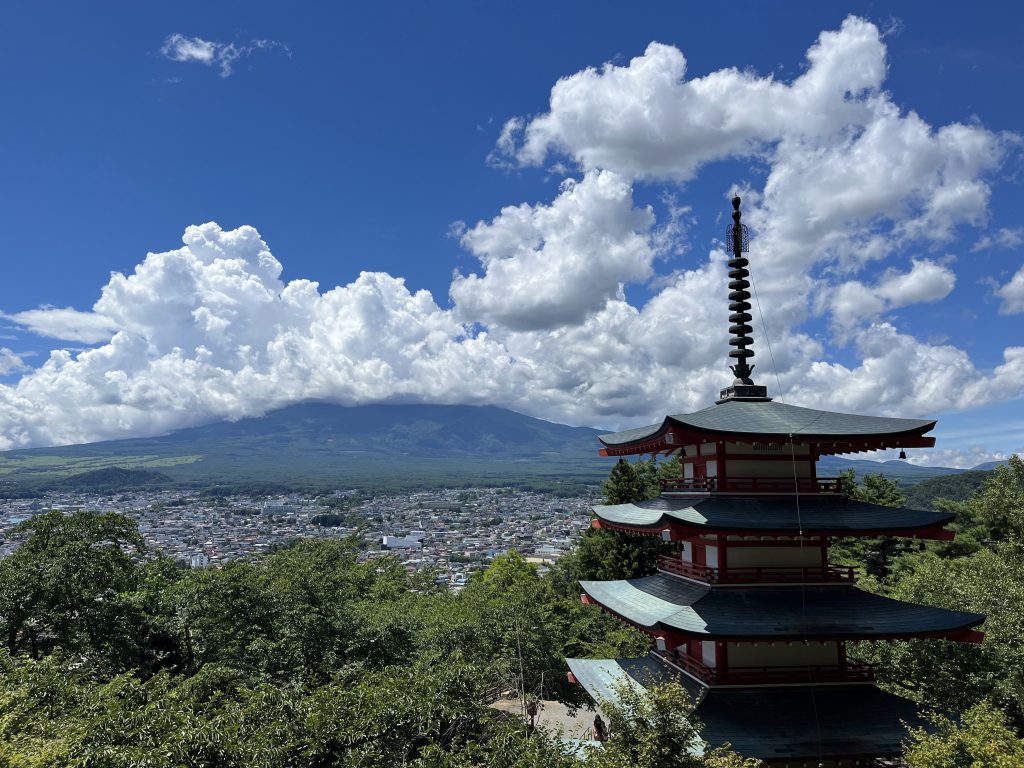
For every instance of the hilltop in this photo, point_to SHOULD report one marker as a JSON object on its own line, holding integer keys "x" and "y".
{"x": 326, "y": 445}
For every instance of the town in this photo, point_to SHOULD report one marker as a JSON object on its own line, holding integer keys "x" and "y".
{"x": 451, "y": 531}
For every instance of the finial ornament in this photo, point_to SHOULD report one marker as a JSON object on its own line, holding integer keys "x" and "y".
{"x": 739, "y": 298}
{"x": 743, "y": 388}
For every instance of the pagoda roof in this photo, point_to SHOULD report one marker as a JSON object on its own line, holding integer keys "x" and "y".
{"x": 772, "y": 724}
{"x": 771, "y": 419}
{"x": 672, "y": 604}
{"x": 817, "y": 512}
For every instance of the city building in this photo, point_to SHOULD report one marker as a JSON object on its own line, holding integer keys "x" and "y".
{"x": 748, "y": 613}
{"x": 200, "y": 560}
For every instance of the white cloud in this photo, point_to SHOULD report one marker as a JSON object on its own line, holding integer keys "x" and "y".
{"x": 10, "y": 362}
{"x": 178, "y": 47}
{"x": 900, "y": 375}
{"x": 645, "y": 120}
{"x": 1005, "y": 237}
{"x": 925, "y": 282}
{"x": 958, "y": 458}
{"x": 210, "y": 331}
{"x": 1012, "y": 295}
{"x": 551, "y": 265}
{"x": 1010, "y": 238}
{"x": 853, "y": 301}
{"x": 967, "y": 458}
{"x": 66, "y": 323}
{"x": 852, "y": 179}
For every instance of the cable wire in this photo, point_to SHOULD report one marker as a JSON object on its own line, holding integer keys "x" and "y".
{"x": 799, "y": 521}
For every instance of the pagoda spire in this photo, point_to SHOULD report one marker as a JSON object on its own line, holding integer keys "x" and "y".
{"x": 743, "y": 387}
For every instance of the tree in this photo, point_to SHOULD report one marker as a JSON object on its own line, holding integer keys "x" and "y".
{"x": 630, "y": 482}
{"x": 958, "y": 675}
{"x": 994, "y": 513}
{"x": 65, "y": 587}
{"x": 656, "y": 727}
{"x": 876, "y": 555}
{"x": 624, "y": 484}
{"x": 523, "y": 626}
{"x": 605, "y": 555}
{"x": 982, "y": 739}
{"x": 306, "y": 610}
{"x": 989, "y": 581}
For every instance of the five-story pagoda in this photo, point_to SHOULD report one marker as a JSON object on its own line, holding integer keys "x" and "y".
{"x": 749, "y": 614}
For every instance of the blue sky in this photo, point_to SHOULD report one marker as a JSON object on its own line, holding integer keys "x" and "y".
{"x": 881, "y": 180}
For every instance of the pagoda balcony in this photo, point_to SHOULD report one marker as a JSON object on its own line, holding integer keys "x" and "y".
{"x": 829, "y": 574}
{"x": 754, "y": 485}
{"x": 849, "y": 672}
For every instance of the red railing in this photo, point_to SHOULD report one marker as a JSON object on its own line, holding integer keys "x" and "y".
{"x": 850, "y": 672}
{"x": 690, "y": 570}
{"x": 758, "y": 575}
{"x": 816, "y": 485}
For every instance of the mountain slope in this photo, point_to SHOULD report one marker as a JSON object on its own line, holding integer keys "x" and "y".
{"x": 905, "y": 472}
{"x": 320, "y": 444}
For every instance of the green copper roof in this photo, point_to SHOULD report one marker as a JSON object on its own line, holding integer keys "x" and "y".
{"x": 770, "y": 418}
{"x": 671, "y": 603}
{"x": 777, "y": 723}
{"x": 731, "y": 513}
{"x": 600, "y": 677}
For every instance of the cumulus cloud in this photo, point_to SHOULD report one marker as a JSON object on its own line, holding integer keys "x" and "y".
{"x": 210, "y": 331}
{"x": 65, "y": 323}
{"x": 645, "y": 120}
{"x": 1012, "y": 295}
{"x": 853, "y": 301}
{"x": 856, "y": 194}
{"x": 178, "y": 47}
{"x": 551, "y": 265}
{"x": 852, "y": 179}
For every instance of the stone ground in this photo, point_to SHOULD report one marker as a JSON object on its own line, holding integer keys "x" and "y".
{"x": 555, "y": 716}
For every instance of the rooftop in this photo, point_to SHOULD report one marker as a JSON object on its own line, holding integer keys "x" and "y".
{"x": 771, "y": 419}
{"x": 668, "y": 603}
{"x": 776, "y": 723}
{"x": 834, "y": 514}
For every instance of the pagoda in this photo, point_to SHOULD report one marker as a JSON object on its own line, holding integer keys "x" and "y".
{"x": 748, "y": 613}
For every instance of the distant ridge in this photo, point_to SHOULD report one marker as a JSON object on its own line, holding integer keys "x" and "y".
{"x": 903, "y": 471}
{"x": 325, "y": 445}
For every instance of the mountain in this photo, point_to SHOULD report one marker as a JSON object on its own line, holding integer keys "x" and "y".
{"x": 959, "y": 487}
{"x": 904, "y": 472}
{"x": 991, "y": 465}
{"x": 326, "y": 445}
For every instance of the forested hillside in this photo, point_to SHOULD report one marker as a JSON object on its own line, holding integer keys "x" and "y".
{"x": 959, "y": 487}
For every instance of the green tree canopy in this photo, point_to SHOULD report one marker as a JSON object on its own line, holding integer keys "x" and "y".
{"x": 988, "y": 580}
{"x": 982, "y": 739}
{"x": 656, "y": 727}
{"x": 65, "y": 587}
